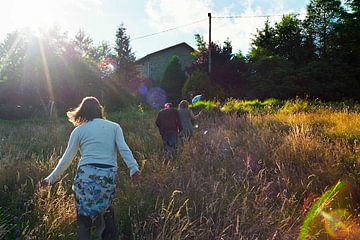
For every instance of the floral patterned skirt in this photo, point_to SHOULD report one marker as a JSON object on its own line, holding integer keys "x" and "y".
{"x": 94, "y": 189}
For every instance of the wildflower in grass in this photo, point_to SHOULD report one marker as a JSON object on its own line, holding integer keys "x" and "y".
{"x": 309, "y": 201}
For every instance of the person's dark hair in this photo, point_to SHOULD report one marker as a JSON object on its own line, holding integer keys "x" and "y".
{"x": 88, "y": 109}
{"x": 183, "y": 104}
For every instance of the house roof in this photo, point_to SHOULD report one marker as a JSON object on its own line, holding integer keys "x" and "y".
{"x": 163, "y": 50}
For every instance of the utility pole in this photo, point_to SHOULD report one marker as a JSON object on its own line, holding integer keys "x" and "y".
{"x": 209, "y": 50}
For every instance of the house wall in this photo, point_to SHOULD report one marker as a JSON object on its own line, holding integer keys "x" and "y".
{"x": 154, "y": 66}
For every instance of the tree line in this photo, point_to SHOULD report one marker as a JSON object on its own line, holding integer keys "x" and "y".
{"x": 37, "y": 70}
{"x": 317, "y": 57}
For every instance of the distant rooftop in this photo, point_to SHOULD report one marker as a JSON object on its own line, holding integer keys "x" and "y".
{"x": 165, "y": 49}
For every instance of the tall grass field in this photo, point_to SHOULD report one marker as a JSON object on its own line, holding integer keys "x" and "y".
{"x": 253, "y": 170}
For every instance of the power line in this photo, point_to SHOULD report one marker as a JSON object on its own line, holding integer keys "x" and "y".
{"x": 201, "y": 20}
{"x": 169, "y": 29}
{"x": 259, "y": 16}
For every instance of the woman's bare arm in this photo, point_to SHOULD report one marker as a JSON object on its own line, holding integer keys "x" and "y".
{"x": 193, "y": 116}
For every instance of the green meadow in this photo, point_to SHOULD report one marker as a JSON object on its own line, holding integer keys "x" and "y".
{"x": 253, "y": 170}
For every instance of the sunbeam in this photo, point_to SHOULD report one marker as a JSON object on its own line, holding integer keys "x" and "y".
{"x": 46, "y": 71}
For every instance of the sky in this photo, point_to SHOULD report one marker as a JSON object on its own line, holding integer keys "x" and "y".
{"x": 100, "y": 19}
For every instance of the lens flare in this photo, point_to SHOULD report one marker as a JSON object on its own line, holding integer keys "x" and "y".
{"x": 156, "y": 97}
{"x": 143, "y": 89}
{"x": 317, "y": 208}
{"x": 331, "y": 215}
{"x": 336, "y": 223}
{"x": 107, "y": 66}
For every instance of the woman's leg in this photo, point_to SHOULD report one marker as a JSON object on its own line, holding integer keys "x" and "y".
{"x": 110, "y": 231}
{"x": 83, "y": 227}
{"x": 104, "y": 185}
{"x": 99, "y": 225}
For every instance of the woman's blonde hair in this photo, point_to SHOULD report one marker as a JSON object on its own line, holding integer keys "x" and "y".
{"x": 88, "y": 109}
{"x": 183, "y": 104}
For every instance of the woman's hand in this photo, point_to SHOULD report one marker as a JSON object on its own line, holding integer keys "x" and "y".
{"x": 42, "y": 184}
{"x": 136, "y": 176}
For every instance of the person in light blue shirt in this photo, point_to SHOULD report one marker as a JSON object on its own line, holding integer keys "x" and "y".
{"x": 98, "y": 141}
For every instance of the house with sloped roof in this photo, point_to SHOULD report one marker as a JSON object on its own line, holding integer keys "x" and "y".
{"x": 153, "y": 65}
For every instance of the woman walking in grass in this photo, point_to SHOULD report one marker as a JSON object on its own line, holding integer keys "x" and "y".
{"x": 95, "y": 180}
{"x": 186, "y": 118}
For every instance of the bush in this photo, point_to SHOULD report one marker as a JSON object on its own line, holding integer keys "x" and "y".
{"x": 207, "y": 105}
{"x": 116, "y": 97}
{"x": 173, "y": 79}
{"x": 272, "y": 77}
{"x": 296, "y": 106}
{"x": 199, "y": 83}
{"x": 251, "y": 106}
{"x": 12, "y": 112}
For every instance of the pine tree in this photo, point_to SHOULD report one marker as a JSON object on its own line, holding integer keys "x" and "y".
{"x": 83, "y": 43}
{"x": 322, "y": 18}
{"x": 264, "y": 41}
{"x": 288, "y": 38}
{"x": 173, "y": 79}
{"x": 123, "y": 49}
{"x": 124, "y": 55}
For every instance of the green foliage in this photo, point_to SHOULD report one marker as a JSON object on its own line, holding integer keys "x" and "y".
{"x": 288, "y": 39}
{"x": 264, "y": 39}
{"x": 36, "y": 70}
{"x": 296, "y": 106}
{"x": 207, "y": 105}
{"x": 272, "y": 76}
{"x": 292, "y": 106}
{"x": 273, "y": 102}
{"x": 53, "y": 68}
{"x": 199, "y": 83}
{"x": 317, "y": 57}
{"x": 83, "y": 43}
{"x": 116, "y": 97}
{"x": 321, "y": 20}
{"x": 227, "y": 68}
{"x": 5, "y": 223}
{"x": 200, "y": 44}
{"x": 322, "y": 79}
{"x": 123, "y": 48}
{"x": 126, "y": 74}
{"x": 173, "y": 79}
{"x": 251, "y": 106}
{"x": 131, "y": 114}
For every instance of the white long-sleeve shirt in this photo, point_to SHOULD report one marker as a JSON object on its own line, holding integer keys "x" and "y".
{"x": 98, "y": 141}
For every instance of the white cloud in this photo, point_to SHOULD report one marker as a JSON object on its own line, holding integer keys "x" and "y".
{"x": 83, "y": 5}
{"x": 164, "y": 14}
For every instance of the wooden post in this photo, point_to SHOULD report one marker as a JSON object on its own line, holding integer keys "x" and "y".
{"x": 209, "y": 15}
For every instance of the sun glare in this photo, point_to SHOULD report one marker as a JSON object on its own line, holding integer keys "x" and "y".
{"x": 33, "y": 14}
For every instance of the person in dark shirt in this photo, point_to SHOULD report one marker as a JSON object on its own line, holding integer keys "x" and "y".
{"x": 169, "y": 124}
